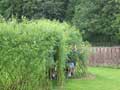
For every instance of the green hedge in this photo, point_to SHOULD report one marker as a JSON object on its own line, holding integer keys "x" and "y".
{"x": 27, "y": 51}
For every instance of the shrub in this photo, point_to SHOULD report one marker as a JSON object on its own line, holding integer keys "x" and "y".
{"x": 82, "y": 61}
{"x": 29, "y": 49}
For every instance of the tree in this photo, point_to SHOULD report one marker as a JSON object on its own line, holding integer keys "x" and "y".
{"x": 70, "y": 11}
{"x": 33, "y": 9}
{"x": 95, "y": 18}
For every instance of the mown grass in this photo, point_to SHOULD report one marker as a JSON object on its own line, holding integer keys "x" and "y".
{"x": 106, "y": 79}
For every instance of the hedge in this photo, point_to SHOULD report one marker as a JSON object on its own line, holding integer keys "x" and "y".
{"x": 28, "y": 49}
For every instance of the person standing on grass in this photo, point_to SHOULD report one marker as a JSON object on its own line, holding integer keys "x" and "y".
{"x": 72, "y": 62}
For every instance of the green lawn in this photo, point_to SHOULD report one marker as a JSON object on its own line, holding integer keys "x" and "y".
{"x": 106, "y": 79}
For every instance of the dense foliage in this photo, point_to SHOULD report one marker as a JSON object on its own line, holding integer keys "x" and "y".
{"x": 30, "y": 48}
{"x": 96, "y": 18}
{"x": 33, "y": 9}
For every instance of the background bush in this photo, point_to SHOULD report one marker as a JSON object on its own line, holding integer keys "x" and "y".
{"x": 98, "y": 21}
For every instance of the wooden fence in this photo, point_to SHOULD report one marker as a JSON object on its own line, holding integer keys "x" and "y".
{"x": 104, "y": 56}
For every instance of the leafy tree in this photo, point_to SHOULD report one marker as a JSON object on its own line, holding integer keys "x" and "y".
{"x": 33, "y": 9}
{"x": 95, "y": 18}
{"x": 70, "y": 11}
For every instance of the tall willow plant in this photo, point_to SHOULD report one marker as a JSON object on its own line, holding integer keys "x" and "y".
{"x": 28, "y": 50}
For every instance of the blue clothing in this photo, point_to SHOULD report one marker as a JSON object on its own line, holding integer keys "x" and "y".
{"x": 71, "y": 65}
